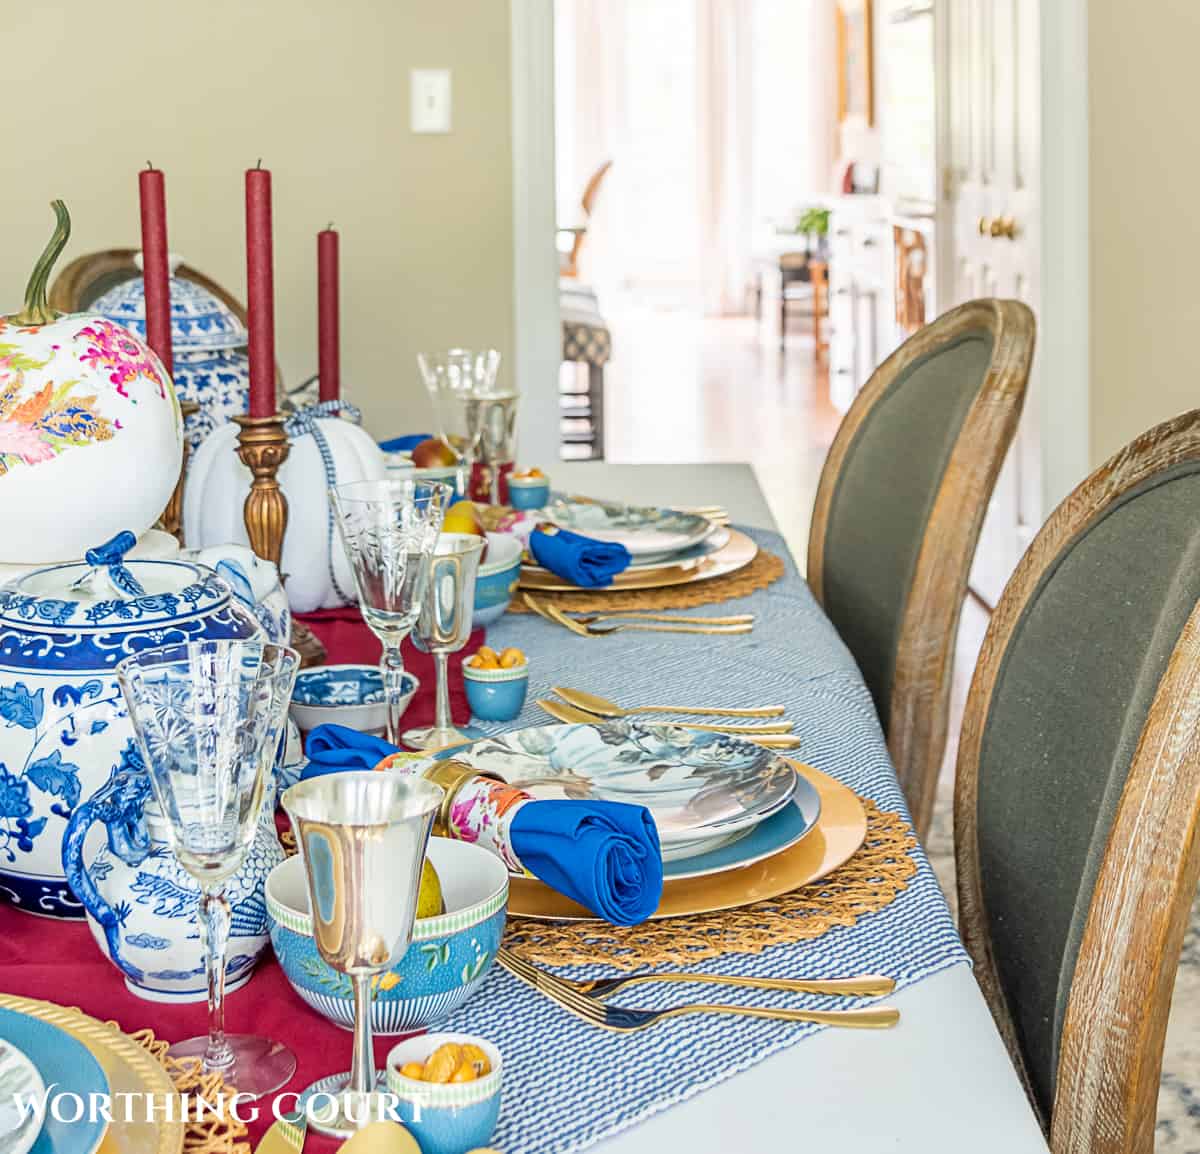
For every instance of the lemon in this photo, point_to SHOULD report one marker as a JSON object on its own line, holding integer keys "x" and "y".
{"x": 430, "y": 902}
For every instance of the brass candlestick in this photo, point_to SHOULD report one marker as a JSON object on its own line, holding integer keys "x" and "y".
{"x": 263, "y": 446}
{"x": 172, "y": 516}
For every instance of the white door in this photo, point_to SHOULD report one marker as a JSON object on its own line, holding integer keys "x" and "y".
{"x": 988, "y": 212}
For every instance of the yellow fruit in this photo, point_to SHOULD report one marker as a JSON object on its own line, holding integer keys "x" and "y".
{"x": 430, "y": 903}
{"x": 442, "y": 1063}
{"x": 463, "y": 517}
{"x": 465, "y": 1073}
{"x": 485, "y": 658}
{"x": 477, "y": 1059}
{"x": 511, "y": 658}
{"x": 414, "y": 1070}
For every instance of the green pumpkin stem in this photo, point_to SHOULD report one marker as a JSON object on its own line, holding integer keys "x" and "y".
{"x": 36, "y": 310}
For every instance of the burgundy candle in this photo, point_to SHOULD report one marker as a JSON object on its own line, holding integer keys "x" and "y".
{"x": 260, "y": 292}
{"x": 329, "y": 354}
{"x": 155, "y": 274}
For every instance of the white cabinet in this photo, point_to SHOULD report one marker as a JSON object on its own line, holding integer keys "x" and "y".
{"x": 862, "y": 310}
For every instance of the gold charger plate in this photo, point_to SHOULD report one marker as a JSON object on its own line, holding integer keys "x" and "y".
{"x": 735, "y": 554}
{"x": 840, "y": 830}
{"x": 130, "y": 1070}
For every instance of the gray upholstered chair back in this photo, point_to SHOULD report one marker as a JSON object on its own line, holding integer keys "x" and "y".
{"x": 899, "y": 510}
{"x": 1073, "y": 664}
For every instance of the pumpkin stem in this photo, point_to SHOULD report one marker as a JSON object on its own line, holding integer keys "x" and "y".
{"x": 36, "y": 310}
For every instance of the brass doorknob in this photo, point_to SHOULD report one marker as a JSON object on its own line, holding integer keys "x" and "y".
{"x": 1004, "y": 226}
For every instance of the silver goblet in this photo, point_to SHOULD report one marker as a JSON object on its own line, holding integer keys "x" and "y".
{"x": 362, "y": 836}
{"x": 444, "y": 626}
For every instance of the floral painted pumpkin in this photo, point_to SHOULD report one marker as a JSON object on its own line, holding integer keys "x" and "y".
{"x": 91, "y": 436}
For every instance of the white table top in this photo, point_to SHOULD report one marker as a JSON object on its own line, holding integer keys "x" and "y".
{"x": 938, "y": 1083}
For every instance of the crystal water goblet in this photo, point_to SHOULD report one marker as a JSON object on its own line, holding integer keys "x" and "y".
{"x": 362, "y": 836}
{"x": 444, "y": 626}
{"x": 208, "y": 716}
{"x": 452, "y": 378}
{"x": 389, "y": 530}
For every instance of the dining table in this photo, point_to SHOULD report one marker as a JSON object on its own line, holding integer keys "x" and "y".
{"x": 938, "y": 1082}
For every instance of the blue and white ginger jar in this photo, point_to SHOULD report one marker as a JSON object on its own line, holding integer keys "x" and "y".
{"x": 63, "y": 721}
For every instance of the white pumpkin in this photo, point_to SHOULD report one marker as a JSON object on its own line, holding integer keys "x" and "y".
{"x": 91, "y": 437}
{"x": 314, "y": 563}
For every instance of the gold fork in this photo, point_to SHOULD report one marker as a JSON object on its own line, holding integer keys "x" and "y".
{"x": 627, "y": 1020}
{"x": 621, "y": 626}
{"x": 540, "y": 608}
{"x": 568, "y": 712}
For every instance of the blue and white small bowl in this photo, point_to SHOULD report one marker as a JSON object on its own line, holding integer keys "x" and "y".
{"x": 350, "y": 695}
{"x": 445, "y": 1117}
{"x": 496, "y": 694}
{"x": 444, "y": 966}
{"x": 528, "y": 492}
{"x": 497, "y": 579}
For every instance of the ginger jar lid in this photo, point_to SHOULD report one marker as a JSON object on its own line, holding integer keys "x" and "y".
{"x": 199, "y": 319}
{"x": 93, "y": 614}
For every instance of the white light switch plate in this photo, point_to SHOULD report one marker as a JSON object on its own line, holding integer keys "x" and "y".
{"x": 430, "y": 99}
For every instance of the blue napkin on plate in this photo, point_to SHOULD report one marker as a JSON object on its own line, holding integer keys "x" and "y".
{"x": 404, "y": 444}
{"x": 581, "y": 560}
{"x": 602, "y": 854}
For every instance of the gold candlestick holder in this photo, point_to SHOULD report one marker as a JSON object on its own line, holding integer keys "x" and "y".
{"x": 263, "y": 446}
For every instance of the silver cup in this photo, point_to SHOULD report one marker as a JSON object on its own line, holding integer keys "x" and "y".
{"x": 362, "y": 836}
{"x": 444, "y": 626}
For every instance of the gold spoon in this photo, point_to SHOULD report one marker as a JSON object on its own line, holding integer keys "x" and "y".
{"x": 602, "y": 707}
{"x": 765, "y": 736}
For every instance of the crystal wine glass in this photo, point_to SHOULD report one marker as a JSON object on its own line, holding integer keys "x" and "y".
{"x": 208, "y": 716}
{"x": 444, "y": 627}
{"x": 362, "y": 836}
{"x": 389, "y": 529}
{"x": 452, "y": 379}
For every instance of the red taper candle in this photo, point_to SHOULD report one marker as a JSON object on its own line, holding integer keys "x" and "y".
{"x": 329, "y": 350}
{"x": 260, "y": 292}
{"x": 155, "y": 273}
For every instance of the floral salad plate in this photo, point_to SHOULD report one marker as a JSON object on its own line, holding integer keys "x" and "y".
{"x": 646, "y": 531}
{"x": 703, "y": 789}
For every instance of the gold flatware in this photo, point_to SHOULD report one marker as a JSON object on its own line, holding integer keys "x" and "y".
{"x": 594, "y": 618}
{"x": 866, "y": 986}
{"x": 602, "y": 707}
{"x": 771, "y": 736}
{"x": 627, "y": 1020}
{"x": 637, "y": 626}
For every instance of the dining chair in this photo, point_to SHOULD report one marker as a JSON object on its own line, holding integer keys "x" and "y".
{"x": 1078, "y": 792}
{"x": 898, "y": 512}
{"x": 569, "y": 263}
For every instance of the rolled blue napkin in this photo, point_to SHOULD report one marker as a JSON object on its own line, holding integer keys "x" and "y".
{"x": 602, "y": 854}
{"x": 581, "y": 560}
{"x": 404, "y": 444}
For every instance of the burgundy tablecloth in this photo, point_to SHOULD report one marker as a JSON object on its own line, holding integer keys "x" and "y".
{"x": 60, "y": 962}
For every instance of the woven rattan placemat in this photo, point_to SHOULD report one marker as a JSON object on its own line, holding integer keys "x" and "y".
{"x": 877, "y": 873}
{"x": 761, "y": 572}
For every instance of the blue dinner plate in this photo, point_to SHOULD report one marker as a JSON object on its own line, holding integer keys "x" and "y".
{"x": 68, "y": 1065}
{"x": 769, "y": 837}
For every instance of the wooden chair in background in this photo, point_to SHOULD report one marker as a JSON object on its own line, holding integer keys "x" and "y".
{"x": 898, "y": 513}
{"x": 569, "y": 264}
{"x": 1077, "y": 798}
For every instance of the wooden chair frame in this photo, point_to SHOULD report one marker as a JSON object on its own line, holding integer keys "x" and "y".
{"x": 1110, "y": 1054}
{"x": 919, "y": 711}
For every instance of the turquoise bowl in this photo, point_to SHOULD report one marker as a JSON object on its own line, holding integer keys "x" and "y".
{"x": 445, "y": 1117}
{"x": 444, "y": 966}
{"x": 528, "y": 492}
{"x": 497, "y": 579}
{"x": 496, "y": 694}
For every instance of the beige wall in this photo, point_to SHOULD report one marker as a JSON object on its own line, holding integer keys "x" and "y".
{"x": 1144, "y": 86}
{"x": 319, "y": 90}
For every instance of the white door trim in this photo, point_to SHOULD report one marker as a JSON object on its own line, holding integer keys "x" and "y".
{"x": 1063, "y": 328}
{"x": 537, "y": 351}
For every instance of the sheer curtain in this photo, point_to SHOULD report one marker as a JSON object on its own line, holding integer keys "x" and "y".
{"x": 717, "y": 115}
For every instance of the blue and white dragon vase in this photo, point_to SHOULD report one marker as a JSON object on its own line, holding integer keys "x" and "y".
{"x": 64, "y": 727}
{"x": 142, "y": 904}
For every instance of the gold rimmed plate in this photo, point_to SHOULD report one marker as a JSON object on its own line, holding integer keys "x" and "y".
{"x": 735, "y": 554}
{"x": 839, "y": 831}
{"x": 129, "y": 1068}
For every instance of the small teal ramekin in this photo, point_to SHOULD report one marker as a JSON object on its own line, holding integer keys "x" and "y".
{"x": 445, "y": 1117}
{"x": 496, "y": 694}
{"x": 528, "y": 492}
